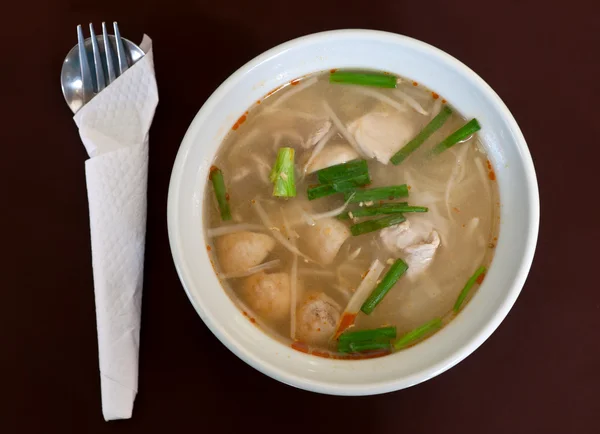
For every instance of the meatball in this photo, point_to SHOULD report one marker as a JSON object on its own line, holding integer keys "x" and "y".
{"x": 316, "y": 319}
{"x": 268, "y": 294}
{"x": 325, "y": 238}
{"x": 240, "y": 251}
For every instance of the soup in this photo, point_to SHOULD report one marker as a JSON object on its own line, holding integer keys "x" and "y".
{"x": 351, "y": 213}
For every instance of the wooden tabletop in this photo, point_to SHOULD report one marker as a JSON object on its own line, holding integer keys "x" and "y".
{"x": 538, "y": 373}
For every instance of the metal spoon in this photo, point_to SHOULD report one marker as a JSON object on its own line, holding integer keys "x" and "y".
{"x": 71, "y": 80}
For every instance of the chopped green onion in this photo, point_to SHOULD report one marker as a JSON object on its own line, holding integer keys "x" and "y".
{"x": 282, "y": 175}
{"x": 397, "y": 269}
{"x": 216, "y": 177}
{"x": 465, "y": 291}
{"x": 357, "y": 347}
{"x": 381, "y": 193}
{"x": 347, "y": 185}
{"x": 363, "y": 78}
{"x": 418, "y": 333}
{"x": 462, "y": 133}
{"x": 386, "y": 208}
{"x": 374, "y": 225}
{"x": 425, "y": 133}
{"x": 343, "y": 171}
{"x": 343, "y": 347}
{"x": 367, "y": 335}
{"x": 319, "y": 191}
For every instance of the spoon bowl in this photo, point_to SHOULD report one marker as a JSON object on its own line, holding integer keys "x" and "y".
{"x": 70, "y": 75}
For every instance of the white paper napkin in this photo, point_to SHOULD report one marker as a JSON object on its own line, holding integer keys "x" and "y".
{"x": 114, "y": 129}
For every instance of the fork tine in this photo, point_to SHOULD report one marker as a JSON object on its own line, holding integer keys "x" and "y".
{"x": 109, "y": 55}
{"x": 86, "y": 77}
{"x": 123, "y": 66}
{"x": 97, "y": 60}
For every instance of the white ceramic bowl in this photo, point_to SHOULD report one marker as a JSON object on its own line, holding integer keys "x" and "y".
{"x": 407, "y": 57}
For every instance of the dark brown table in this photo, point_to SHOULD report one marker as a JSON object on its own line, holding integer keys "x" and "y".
{"x": 538, "y": 373}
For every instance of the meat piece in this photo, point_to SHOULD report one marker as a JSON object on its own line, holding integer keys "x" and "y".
{"x": 314, "y": 138}
{"x": 417, "y": 244}
{"x": 380, "y": 135}
{"x": 332, "y": 154}
{"x": 419, "y": 256}
{"x": 242, "y": 250}
{"x": 398, "y": 237}
{"x": 268, "y": 294}
{"x": 316, "y": 319}
{"x": 324, "y": 239}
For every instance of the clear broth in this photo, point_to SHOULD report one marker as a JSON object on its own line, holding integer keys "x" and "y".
{"x": 456, "y": 185}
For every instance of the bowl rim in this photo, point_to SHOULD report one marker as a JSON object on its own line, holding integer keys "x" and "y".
{"x": 457, "y": 355}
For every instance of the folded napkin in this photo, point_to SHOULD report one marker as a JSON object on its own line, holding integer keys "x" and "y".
{"x": 114, "y": 129}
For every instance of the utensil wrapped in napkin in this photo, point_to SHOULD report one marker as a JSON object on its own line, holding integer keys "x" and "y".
{"x": 114, "y": 129}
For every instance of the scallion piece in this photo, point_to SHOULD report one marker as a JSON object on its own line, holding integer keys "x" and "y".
{"x": 462, "y": 133}
{"x": 418, "y": 333}
{"x": 343, "y": 171}
{"x": 357, "y": 347}
{"x": 363, "y": 79}
{"x": 397, "y": 269}
{"x": 465, "y": 291}
{"x": 381, "y": 193}
{"x": 343, "y": 347}
{"x": 282, "y": 175}
{"x": 386, "y": 208}
{"x": 347, "y": 185}
{"x": 374, "y": 225}
{"x": 216, "y": 177}
{"x": 319, "y": 191}
{"x": 420, "y": 138}
{"x": 368, "y": 335}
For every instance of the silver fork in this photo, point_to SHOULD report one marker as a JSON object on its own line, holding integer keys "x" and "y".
{"x": 86, "y": 77}
{"x": 82, "y": 79}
